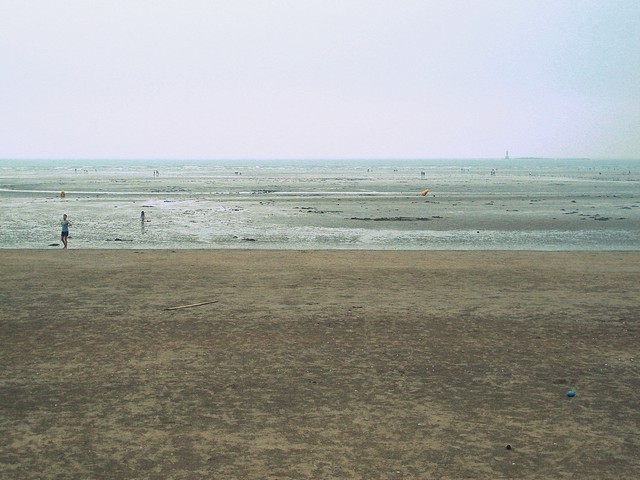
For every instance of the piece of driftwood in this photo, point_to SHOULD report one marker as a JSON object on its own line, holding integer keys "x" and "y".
{"x": 191, "y": 305}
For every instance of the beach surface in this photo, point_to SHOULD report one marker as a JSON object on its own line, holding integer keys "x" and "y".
{"x": 319, "y": 364}
{"x": 535, "y": 204}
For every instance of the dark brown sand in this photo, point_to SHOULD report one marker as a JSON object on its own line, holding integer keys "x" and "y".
{"x": 319, "y": 365}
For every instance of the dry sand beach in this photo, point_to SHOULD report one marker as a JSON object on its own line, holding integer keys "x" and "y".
{"x": 324, "y": 364}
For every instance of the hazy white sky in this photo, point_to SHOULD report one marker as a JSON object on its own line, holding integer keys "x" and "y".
{"x": 226, "y": 79}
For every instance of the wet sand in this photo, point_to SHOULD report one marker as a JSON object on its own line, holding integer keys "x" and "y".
{"x": 541, "y": 205}
{"x": 323, "y": 364}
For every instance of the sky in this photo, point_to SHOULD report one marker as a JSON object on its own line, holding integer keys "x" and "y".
{"x": 296, "y": 79}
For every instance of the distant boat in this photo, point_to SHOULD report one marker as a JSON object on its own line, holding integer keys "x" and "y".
{"x": 506, "y": 157}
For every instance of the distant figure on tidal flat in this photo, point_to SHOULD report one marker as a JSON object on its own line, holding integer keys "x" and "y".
{"x": 65, "y": 230}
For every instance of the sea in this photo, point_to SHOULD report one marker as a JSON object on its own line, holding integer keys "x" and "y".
{"x": 411, "y": 204}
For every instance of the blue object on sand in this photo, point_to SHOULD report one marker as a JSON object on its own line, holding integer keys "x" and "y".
{"x": 571, "y": 393}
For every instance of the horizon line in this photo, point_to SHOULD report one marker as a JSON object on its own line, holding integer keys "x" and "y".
{"x": 303, "y": 159}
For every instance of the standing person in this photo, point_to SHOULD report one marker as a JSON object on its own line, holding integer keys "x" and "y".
{"x": 65, "y": 230}
{"x": 142, "y": 217}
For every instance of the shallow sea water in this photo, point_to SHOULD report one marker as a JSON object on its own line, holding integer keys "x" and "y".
{"x": 518, "y": 204}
